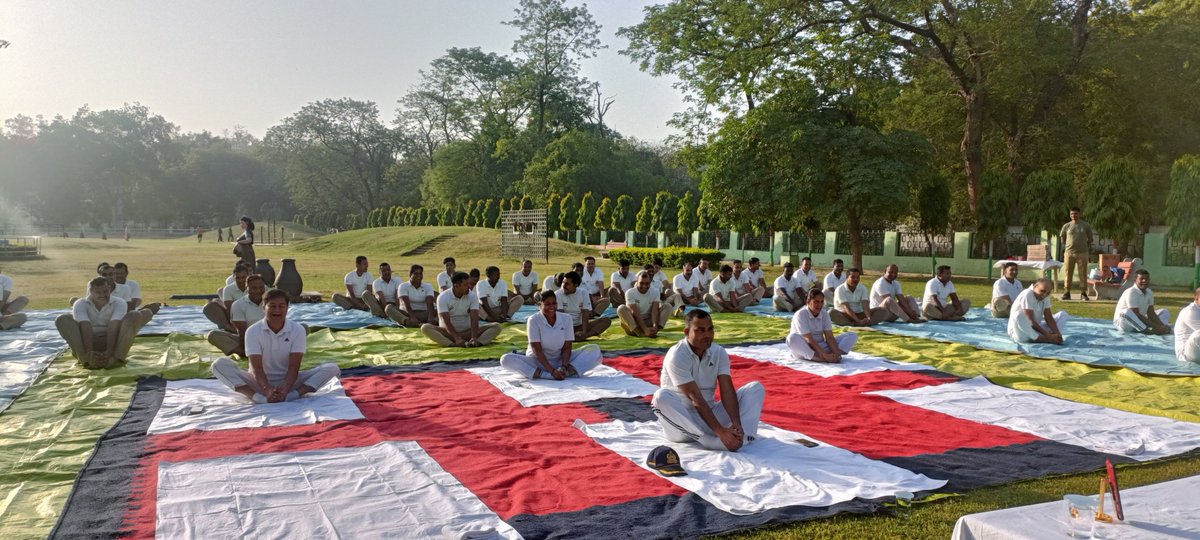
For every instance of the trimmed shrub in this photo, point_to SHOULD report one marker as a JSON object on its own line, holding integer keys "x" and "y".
{"x": 673, "y": 257}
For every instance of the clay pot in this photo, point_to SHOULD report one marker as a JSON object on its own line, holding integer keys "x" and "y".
{"x": 264, "y": 269}
{"x": 289, "y": 280}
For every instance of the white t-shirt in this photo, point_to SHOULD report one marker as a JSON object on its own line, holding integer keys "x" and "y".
{"x": 703, "y": 277}
{"x": 275, "y": 348}
{"x": 444, "y": 280}
{"x": 722, "y": 289}
{"x": 832, "y": 281}
{"x": 458, "y": 308}
{"x": 135, "y": 289}
{"x": 627, "y": 282}
{"x": 6, "y": 284}
{"x": 574, "y": 304}
{"x": 743, "y": 279}
{"x": 416, "y": 295}
{"x": 1004, "y": 287}
{"x": 1027, "y": 300}
{"x": 754, "y": 276}
{"x": 882, "y": 289}
{"x": 85, "y": 311}
{"x": 548, "y": 284}
{"x": 804, "y": 323}
{"x": 935, "y": 287}
{"x": 1187, "y": 324}
{"x": 231, "y": 279}
{"x": 552, "y": 337}
{"x": 483, "y": 289}
{"x": 843, "y": 295}
{"x": 523, "y": 284}
{"x": 243, "y": 310}
{"x": 782, "y": 283}
{"x": 684, "y": 285}
{"x": 593, "y": 282}
{"x": 1134, "y": 298}
{"x": 660, "y": 281}
{"x": 682, "y": 366}
{"x": 644, "y": 302}
{"x": 806, "y": 279}
{"x": 231, "y": 293}
{"x": 360, "y": 283}
{"x": 122, "y": 291}
{"x": 388, "y": 288}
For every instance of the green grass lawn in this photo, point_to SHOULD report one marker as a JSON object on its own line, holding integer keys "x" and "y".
{"x": 182, "y": 266}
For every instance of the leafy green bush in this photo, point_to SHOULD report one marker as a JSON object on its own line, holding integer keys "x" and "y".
{"x": 673, "y": 257}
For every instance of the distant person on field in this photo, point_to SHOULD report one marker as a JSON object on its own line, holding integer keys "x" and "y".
{"x": 1187, "y": 332}
{"x": 1136, "y": 310}
{"x": 496, "y": 303}
{"x": 852, "y": 303}
{"x": 940, "y": 301}
{"x": 444, "y": 278}
{"x": 723, "y": 293}
{"x": 276, "y": 348}
{"x": 245, "y": 242}
{"x": 887, "y": 293}
{"x": 1077, "y": 237}
{"x": 359, "y": 284}
{"x": 244, "y": 312}
{"x": 789, "y": 290}
{"x": 551, "y": 353}
{"x": 220, "y": 235}
{"x": 1005, "y": 291}
{"x": 525, "y": 283}
{"x": 99, "y": 329}
{"x": 834, "y": 279}
{"x": 458, "y": 317}
{"x": 811, "y": 336}
{"x": 417, "y": 301}
{"x": 575, "y": 302}
{"x": 643, "y": 312}
{"x": 1031, "y": 320}
{"x": 620, "y": 281}
{"x": 385, "y": 292}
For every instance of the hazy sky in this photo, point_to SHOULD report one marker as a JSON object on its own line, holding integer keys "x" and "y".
{"x": 215, "y": 64}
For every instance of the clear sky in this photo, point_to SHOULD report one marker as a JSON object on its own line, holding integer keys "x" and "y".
{"x": 211, "y": 65}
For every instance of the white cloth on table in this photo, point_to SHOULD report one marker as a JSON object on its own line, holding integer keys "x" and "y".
{"x": 1040, "y": 265}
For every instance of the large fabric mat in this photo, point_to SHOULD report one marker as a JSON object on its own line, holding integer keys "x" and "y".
{"x": 565, "y": 469}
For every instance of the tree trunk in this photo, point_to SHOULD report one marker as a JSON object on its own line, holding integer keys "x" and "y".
{"x": 972, "y": 143}
{"x": 856, "y": 240}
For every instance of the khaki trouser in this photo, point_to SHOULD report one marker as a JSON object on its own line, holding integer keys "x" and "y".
{"x": 439, "y": 335}
{"x": 1070, "y": 262}
{"x": 72, "y": 333}
{"x": 1001, "y": 307}
{"x": 935, "y": 313}
{"x": 514, "y": 303}
{"x": 399, "y": 315}
{"x": 743, "y": 302}
{"x": 595, "y": 328}
{"x": 876, "y": 316}
{"x": 629, "y": 323}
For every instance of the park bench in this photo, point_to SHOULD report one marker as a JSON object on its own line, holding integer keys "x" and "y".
{"x": 1104, "y": 288}
{"x": 611, "y": 246}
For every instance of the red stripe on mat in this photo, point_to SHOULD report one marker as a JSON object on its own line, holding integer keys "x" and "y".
{"x": 517, "y": 460}
{"x": 838, "y": 411}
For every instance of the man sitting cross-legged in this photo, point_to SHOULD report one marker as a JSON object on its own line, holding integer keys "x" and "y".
{"x": 747, "y": 286}
{"x": 1136, "y": 311}
{"x": 812, "y": 337}
{"x": 574, "y": 301}
{"x": 218, "y": 310}
{"x": 789, "y": 290}
{"x": 100, "y": 329}
{"x": 1005, "y": 291}
{"x": 593, "y": 283}
{"x": 358, "y": 287}
{"x": 550, "y": 353}
{"x": 704, "y": 276}
{"x": 835, "y": 278}
{"x": 758, "y": 279}
{"x": 525, "y": 283}
{"x": 620, "y": 281}
{"x": 1031, "y": 321}
{"x": 496, "y": 303}
{"x": 245, "y": 311}
{"x": 458, "y": 315}
{"x": 724, "y": 294}
{"x": 10, "y": 306}
{"x": 1187, "y": 332}
{"x": 887, "y": 293}
{"x": 687, "y": 286}
{"x": 807, "y": 276}
{"x": 852, "y": 306}
{"x": 416, "y": 302}
{"x": 385, "y": 292}
{"x": 643, "y": 313}
{"x": 120, "y": 274}
{"x": 276, "y": 349}
{"x": 444, "y": 281}
{"x": 686, "y": 404}
{"x": 940, "y": 301}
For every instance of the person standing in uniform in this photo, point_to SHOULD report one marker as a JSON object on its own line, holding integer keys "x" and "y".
{"x": 1077, "y": 237}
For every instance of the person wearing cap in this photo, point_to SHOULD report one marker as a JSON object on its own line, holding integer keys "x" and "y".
{"x": 276, "y": 348}
{"x": 550, "y": 354}
{"x": 525, "y": 283}
{"x": 1187, "y": 332}
{"x": 576, "y": 303}
{"x": 385, "y": 291}
{"x": 789, "y": 290}
{"x": 643, "y": 313}
{"x": 358, "y": 287}
{"x": 811, "y": 337}
{"x": 458, "y": 314}
{"x": 723, "y": 293}
{"x": 940, "y": 301}
{"x": 417, "y": 302}
{"x": 686, "y": 404}
{"x": 835, "y": 278}
{"x": 1005, "y": 291}
{"x": 1031, "y": 320}
{"x": 620, "y": 281}
{"x": 10, "y": 306}
{"x": 1136, "y": 310}
{"x": 246, "y": 311}
{"x": 497, "y": 304}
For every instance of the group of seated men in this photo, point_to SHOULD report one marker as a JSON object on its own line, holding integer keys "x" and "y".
{"x": 103, "y": 322}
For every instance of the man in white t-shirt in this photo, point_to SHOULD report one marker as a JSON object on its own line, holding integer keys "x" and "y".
{"x": 687, "y": 286}
{"x": 458, "y": 316}
{"x": 811, "y": 336}
{"x": 789, "y": 290}
{"x": 888, "y": 294}
{"x": 526, "y": 284}
{"x": 574, "y": 301}
{"x": 725, "y": 293}
{"x": 1030, "y": 320}
{"x": 120, "y": 274}
{"x": 550, "y": 354}
{"x": 758, "y": 279}
{"x": 218, "y": 310}
{"x": 358, "y": 287}
{"x": 385, "y": 292}
{"x": 704, "y": 276}
{"x": 807, "y": 276}
{"x": 1005, "y": 291}
{"x": 852, "y": 303}
{"x": 10, "y": 306}
{"x": 100, "y": 329}
{"x": 1136, "y": 310}
{"x": 686, "y": 404}
{"x": 444, "y": 281}
{"x": 643, "y": 312}
{"x": 276, "y": 348}
{"x": 748, "y": 286}
{"x": 246, "y": 311}
{"x": 1187, "y": 332}
{"x": 416, "y": 300}
{"x": 834, "y": 278}
{"x": 593, "y": 283}
{"x": 620, "y": 281}
{"x": 553, "y": 282}
{"x": 496, "y": 303}
{"x": 940, "y": 301}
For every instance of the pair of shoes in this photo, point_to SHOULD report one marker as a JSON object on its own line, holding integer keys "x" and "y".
{"x": 1066, "y": 296}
